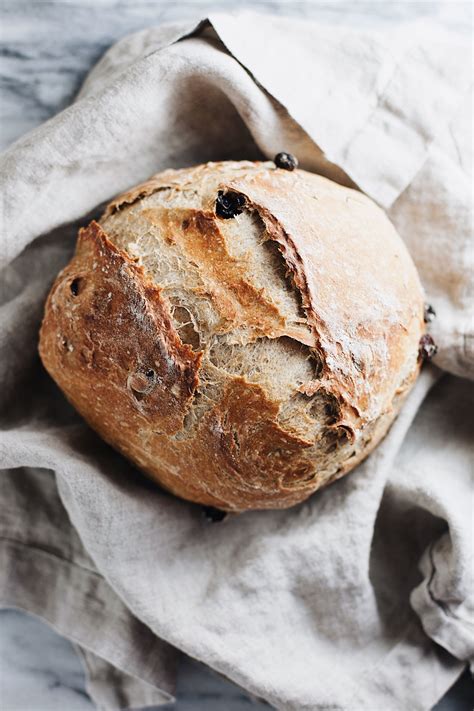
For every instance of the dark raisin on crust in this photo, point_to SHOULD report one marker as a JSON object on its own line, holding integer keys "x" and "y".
{"x": 74, "y": 286}
{"x": 429, "y": 314}
{"x": 286, "y": 161}
{"x": 428, "y": 347}
{"x": 214, "y": 515}
{"x": 229, "y": 204}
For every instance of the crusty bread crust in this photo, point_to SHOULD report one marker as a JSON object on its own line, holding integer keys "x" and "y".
{"x": 241, "y": 363}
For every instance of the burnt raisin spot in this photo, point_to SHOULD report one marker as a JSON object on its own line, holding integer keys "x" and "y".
{"x": 229, "y": 204}
{"x": 428, "y": 348}
{"x": 214, "y": 515}
{"x": 74, "y": 286}
{"x": 429, "y": 313}
{"x": 286, "y": 161}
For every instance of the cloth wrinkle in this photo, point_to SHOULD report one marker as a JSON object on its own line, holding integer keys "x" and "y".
{"x": 360, "y": 598}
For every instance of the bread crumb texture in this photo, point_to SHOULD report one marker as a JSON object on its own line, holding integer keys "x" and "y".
{"x": 243, "y": 362}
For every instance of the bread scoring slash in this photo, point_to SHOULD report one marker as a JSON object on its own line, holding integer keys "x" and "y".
{"x": 243, "y": 333}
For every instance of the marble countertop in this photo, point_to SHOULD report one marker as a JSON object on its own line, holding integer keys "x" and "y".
{"x": 40, "y": 671}
{"x": 46, "y": 49}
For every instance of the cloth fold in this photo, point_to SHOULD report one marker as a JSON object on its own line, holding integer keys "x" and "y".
{"x": 46, "y": 571}
{"x": 362, "y": 596}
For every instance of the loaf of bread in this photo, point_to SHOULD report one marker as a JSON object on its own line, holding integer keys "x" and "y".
{"x": 243, "y": 333}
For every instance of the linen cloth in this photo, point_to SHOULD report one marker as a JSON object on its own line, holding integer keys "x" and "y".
{"x": 360, "y": 598}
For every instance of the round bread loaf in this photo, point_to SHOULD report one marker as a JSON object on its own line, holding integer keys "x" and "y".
{"x": 243, "y": 333}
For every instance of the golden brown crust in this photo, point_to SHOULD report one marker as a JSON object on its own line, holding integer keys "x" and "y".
{"x": 206, "y": 432}
{"x": 367, "y": 310}
{"x": 108, "y": 340}
{"x": 239, "y": 301}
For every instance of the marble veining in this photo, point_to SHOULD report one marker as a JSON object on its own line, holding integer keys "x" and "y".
{"x": 46, "y": 49}
{"x": 40, "y": 671}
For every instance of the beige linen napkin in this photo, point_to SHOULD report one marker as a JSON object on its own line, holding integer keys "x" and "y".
{"x": 360, "y": 598}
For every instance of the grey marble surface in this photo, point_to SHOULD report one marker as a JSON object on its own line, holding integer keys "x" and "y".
{"x": 40, "y": 671}
{"x": 46, "y": 48}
